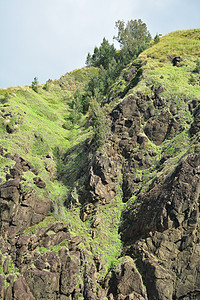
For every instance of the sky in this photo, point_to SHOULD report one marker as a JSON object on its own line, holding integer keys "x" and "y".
{"x": 48, "y": 38}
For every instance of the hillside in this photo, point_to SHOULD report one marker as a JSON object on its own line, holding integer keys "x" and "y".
{"x": 115, "y": 221}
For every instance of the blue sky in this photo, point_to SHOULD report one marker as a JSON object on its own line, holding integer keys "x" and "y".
{"x": 47, "y": 38}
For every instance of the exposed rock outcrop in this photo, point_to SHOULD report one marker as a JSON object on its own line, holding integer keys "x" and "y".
{"x": 20, "y": 208}
{"x": 126, "y": 282}
{"x": 165, "y": 233}
{"x": 68, "y": 273}
{"x": 120, "y": 157}
{"x": 195, "y": 127}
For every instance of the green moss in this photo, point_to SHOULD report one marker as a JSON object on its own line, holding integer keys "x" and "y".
{"x": 45, "y": 223}
{"x": 12, "y": 269}
{"x": 5, "y": 165}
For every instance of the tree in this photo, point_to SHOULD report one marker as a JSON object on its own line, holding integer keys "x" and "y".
{"x": 106, "y": 53}
{"x": 156, "y": 39}
{"x": 77, "y": 107}
{"x": 99, "y": 122}
{"x": 34, "y": 84}
{"x": 46, "y": 86}
{"x": 88, "y": 60}
{"x": 101, "y": 56}
{"x": 113, "y": 69}
{"x": 133, "y": 37}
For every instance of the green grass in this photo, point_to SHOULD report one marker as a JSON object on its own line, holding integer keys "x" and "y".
{"x": 45, "y": 223}
{"x": 77, "y": 78}
{"x": 157, "y": 68}
{"x": 38, "y": 119}
{"x": 106, "y": 244}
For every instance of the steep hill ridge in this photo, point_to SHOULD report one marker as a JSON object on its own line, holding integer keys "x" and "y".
{"x": 120, "y": 221}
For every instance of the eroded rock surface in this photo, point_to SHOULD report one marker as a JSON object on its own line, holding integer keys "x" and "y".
{"x": 162, "y": 227}
{"x": 68, "y": 273}
{"x": 20, "y": 208}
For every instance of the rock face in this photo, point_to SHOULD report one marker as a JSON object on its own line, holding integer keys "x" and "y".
{"x": 160, "y": 258}
{"x": 103, "y": 173}
{"x": 119, "y": 158}
{"x": 195, "y": 127}
{"x": 160, "y": 229}
{"x": 165, "y": 234}
{"x": 126, "y": 282}
{"x": 20, "y": 209}
{"x": 172, "y": 206}
{"x": 65, "y": 274}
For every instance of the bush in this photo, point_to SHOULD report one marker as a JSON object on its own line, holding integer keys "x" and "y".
{"x": 6, "y": 96}
{"x": 46, "y": 87}
{"x": 192, "y": 80}
{"x": 197, "y": 68}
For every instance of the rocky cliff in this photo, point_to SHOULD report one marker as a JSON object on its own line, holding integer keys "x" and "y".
{"x": 128, "y": 223}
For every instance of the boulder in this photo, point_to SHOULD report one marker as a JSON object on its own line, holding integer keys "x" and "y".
{"x": 20, "y": 208}
{"x": 42, "y": 284}
{"x": 69, "y": 276}
{"x": 126, "y": 281}
{"x": 176, "y": 61}
{"x": 39, "y": 182}
{"x": 21, "y": 290}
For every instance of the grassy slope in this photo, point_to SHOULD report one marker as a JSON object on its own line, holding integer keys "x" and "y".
{"x": 38, "y": 119}
{"x": 156, "y": 66}
{"x": 158, "y": 70}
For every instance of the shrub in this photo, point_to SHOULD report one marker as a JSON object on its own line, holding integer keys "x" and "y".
{"x": 46, "y": 87}
{"x": 192, "y": 80}
{"x": 197, "y": 68}
{"x": 6, "y": 96}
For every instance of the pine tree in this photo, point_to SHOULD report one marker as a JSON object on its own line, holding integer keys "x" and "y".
{"x": 34, "y": 84}
{"x": 101, "y": 56}
{"x": 156, "y": 39}
{"x": 99, "y": 122}
{"x": 133, "y": 38}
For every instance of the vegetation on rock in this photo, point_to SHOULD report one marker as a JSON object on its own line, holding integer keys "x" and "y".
{"x": 99, "y": 195}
